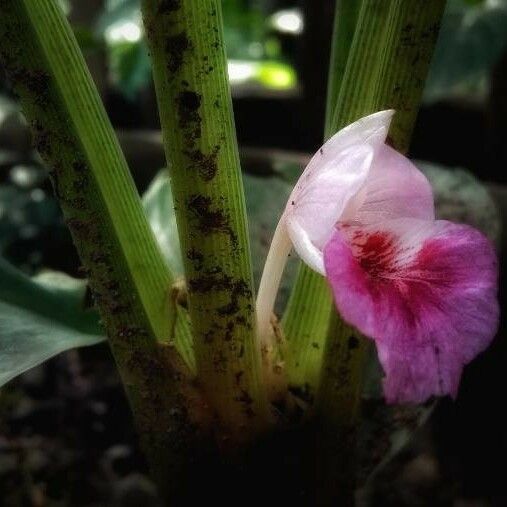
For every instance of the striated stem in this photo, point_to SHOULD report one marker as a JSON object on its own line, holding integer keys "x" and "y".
{"x": 305, "y": 324}
{"x": 338, "y": 409}
{"x": 306, "y": 320}
{"x": 190, "y": 73}
{"x": 126, "y": 271}
{"x": 356, "y": 96}
{"x": 403, "y": 68}
{"x": 388, "y": 63}
{"x": 345, "y": 19}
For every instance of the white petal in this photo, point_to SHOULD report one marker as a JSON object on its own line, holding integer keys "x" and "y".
{"x": 330, "y": 182}
{"x": 307, "y": 251}
{"x": 371, "y": 130}
{"x": 318, "y": 205}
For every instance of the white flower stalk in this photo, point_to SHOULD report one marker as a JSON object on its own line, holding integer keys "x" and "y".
{"x": 332, "y": 177}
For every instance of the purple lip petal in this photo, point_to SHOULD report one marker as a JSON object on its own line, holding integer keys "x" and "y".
{"x": 424, "y": 291}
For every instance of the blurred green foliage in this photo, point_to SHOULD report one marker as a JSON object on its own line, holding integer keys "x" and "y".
{"x": 247, "y": 35}
{"x": 472, "y": 40}
{"x": 130, "y": 66}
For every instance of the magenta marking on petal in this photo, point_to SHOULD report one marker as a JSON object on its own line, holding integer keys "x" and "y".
{"x": 376, "y": 253}
{"x": 424, "y": 291}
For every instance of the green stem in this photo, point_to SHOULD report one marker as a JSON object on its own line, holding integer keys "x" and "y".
{"x": 388, "y": 63}
{"x": 338, "y": 409}
{"x": 126, "y": 271}
{"x": 306, "y": 319}
{"x": 190, "y": 72}
{"x": 356, "y": 96}
{"x": 345, "y": 354}
{"x": 398, "y": 36}
{"x": 183, "y": 339}
{"x": 345, "y": 20}
{"x": 305, "y": 324}
{"x": 410, "y": 41}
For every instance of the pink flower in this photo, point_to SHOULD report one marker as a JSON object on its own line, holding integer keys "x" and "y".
{"x": 424, "y": 290}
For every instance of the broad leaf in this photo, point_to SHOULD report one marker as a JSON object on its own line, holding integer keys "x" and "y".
{"x": 461, "y": 197}
{"x": 159, "y": 207}
{"x": 40, "y": 318}
{"x": 472, "y": 39}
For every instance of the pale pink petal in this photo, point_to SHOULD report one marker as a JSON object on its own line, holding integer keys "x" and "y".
{"x": 395, "y": 188}
{"x": 371, "y": 130}
{"x": 330, "y": 182}
{"x": 319, "y": 205}
{"x": 425, "y": 291}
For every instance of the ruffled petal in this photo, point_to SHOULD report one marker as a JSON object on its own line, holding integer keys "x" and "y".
{"x": 425, "y": 291}
{"x": 395, "y": 188}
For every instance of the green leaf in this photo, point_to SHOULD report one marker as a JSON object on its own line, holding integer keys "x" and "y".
{"x": 158, "y": 204}
{"x": 472, "y": 39}
{"x": 41, "y": 317}
{"x": 460, "y": 197}
{"x": 130, "y": 66}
